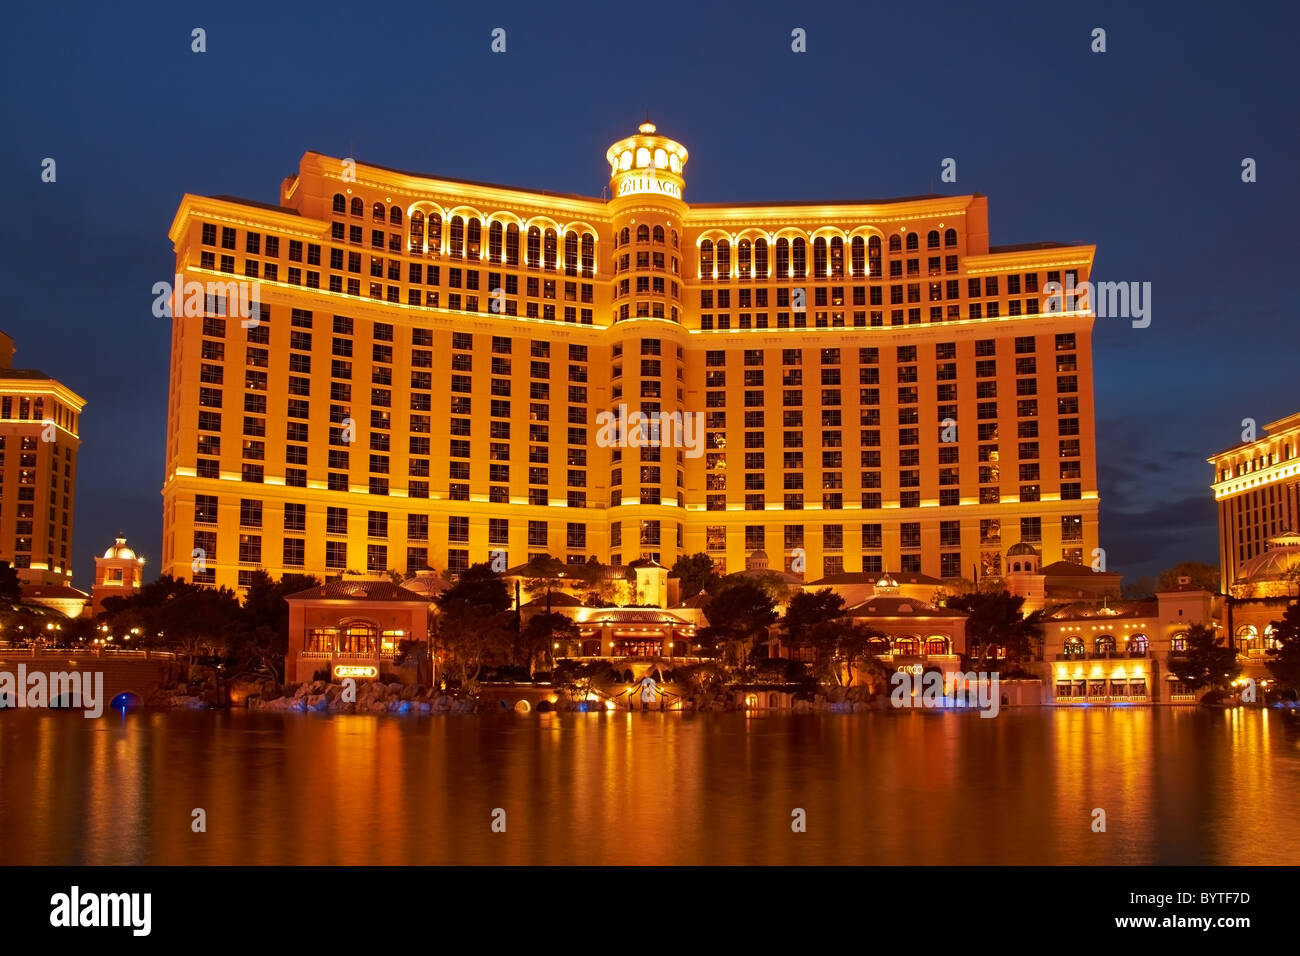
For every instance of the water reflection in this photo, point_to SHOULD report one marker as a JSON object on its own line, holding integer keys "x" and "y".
{"x": 1178, "y": 786}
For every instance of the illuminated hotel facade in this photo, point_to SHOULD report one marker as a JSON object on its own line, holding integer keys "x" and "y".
{"x": 39, "y": 441}
{"x": 878, "y": 387}
{"x": 1257, "y": 494}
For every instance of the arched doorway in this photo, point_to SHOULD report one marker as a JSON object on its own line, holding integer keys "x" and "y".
{"x": 1248, "y": 639}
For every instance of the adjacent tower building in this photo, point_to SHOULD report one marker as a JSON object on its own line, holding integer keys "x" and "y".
{"x": 1257, "y": 491}
{"x": 428, "y": 369}
{"x": 39, "y": 418}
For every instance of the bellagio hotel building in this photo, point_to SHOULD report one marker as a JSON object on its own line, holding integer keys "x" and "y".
{"x": 422, "y": 386}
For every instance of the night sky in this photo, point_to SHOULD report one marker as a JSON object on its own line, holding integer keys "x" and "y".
{"x": 1137, "y": 150}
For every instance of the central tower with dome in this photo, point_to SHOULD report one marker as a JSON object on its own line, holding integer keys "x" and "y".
{"x": 649, "y": 339}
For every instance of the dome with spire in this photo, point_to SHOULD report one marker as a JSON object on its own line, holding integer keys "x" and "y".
{"x": 119, "y": 551}
{"x": 647, "y": 163}
{"x": 886, "y": 584}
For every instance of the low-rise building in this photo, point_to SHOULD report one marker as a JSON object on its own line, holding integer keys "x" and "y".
{"x": 352, "y": 627}
{"x": 1119, "y": 652}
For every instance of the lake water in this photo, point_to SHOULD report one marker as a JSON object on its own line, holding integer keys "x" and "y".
{"x": 1178, "y": 785}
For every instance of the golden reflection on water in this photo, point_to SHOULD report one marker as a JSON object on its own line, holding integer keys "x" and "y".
{"x": 1178, "y": 785}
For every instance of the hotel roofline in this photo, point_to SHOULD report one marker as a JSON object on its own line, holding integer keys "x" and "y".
{"x": 1270, "y": 431}
{"x": 753, "y": 215}
{"x": 21, "y": 378}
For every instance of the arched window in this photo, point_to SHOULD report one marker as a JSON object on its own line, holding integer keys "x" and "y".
{"x": 706, "y": 259}
{"x": 642, "y": 157}
{"x": 435, "y": 234}
{"x": 932, "y": 239}
{"x": 474, "y": 240}
{"x": 643, "y": 233}
{"x": 1104, "y": 644}
{"x": 395, "y": 216}
{"x": 1073, "y": 647}
{"x": 724, "y": 260}
{"x": 358, "y": 637}
{"x": 1247, "y": 638}
{"x": 858, "y": 257}
{"x": 873, "y": 255}
{"x": 783, "y": 258}
{"x": 588, "y": 255}
{"x": 358, "y": 207}
{"x": 760, "y": 259}
{"x": 950, "y": 237}
{"x": 906, "y": 646}
{"x": 659, "y": 235}
{"x": 819, "y": 257}
{"x": 417, "y": 232}
{"x": 495, "y": 244}
{"x": 550, "y": 249}
{"x": 378, "y": 213}
{"x": 457, "y": 237}
{"x": 570, "y": 253}
{"x": 744, "y": 255}
{"x": 913, "y": 241}
{"x": 895, "y": 243}
{"x": 1271, "y": 641}
{"x": 625, "y": 237}
{"x": 512, "y": 245}
{"x": 936, "y": 645}
{"x": 837, "y": 256}
{"x": 674, "y": 238}
{"x": 340, "y": 203}
{"x": 1137, "y": 645}
{"x": 799, "y": 258}
{"x": 534, "y": 258}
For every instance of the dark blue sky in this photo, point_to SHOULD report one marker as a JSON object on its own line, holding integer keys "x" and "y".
{"x": 1137, "y": 150}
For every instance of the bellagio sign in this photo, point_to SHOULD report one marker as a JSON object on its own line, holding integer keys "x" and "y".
{"x": 649, "y": 184}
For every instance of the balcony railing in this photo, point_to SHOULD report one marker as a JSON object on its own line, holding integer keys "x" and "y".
{"x": 1099, "y": 655}
{"x": 116, "y": 653}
